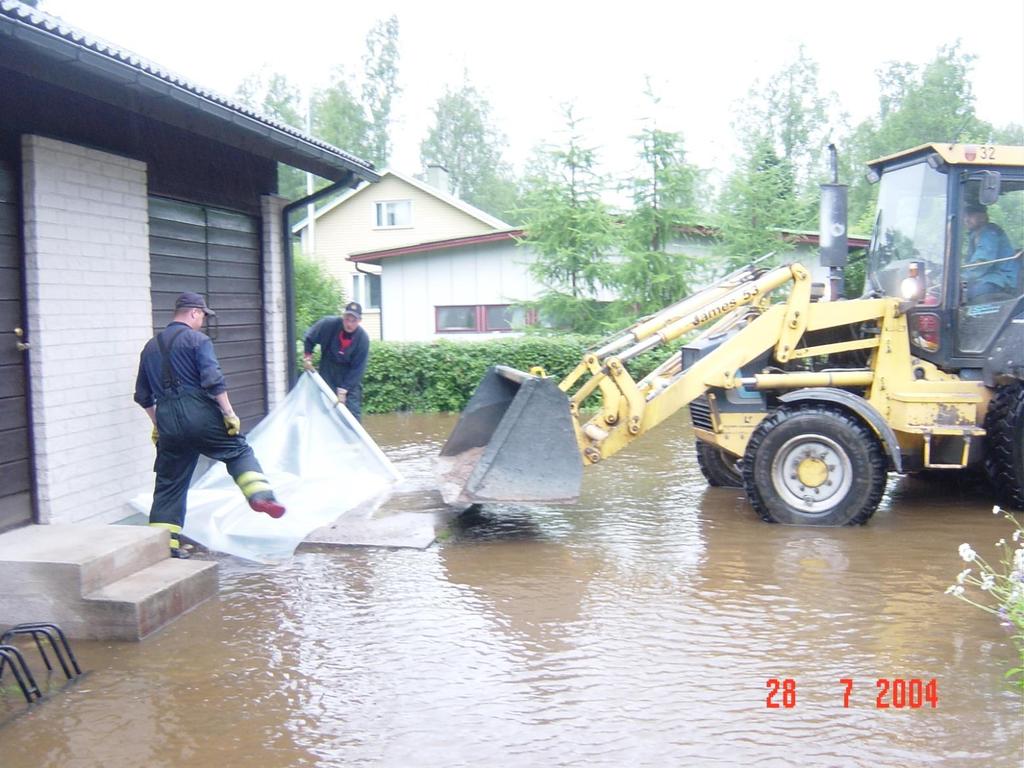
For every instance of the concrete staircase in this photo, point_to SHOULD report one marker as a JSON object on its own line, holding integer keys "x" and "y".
{"x": 98, "y": 582}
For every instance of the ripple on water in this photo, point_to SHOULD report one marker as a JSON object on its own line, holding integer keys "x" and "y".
{"x": 638, "y": 627}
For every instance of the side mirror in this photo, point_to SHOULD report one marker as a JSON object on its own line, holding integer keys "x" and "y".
{"x": 991, "y": 182}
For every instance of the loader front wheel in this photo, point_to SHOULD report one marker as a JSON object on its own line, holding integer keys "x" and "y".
{"x": 1004, "y": 444}
{"x": 719, "y": 468}
{"x": 810, "y": 464}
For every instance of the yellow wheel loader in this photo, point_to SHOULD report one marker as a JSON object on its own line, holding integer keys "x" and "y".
{"x": 805, "y": 400}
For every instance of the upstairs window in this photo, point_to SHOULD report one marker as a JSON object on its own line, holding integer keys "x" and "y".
{"x": 394, "y": 213}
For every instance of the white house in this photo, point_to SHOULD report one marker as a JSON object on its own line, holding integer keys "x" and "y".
{"x": 398, "y": 211}
{"x": 462, "y": 287}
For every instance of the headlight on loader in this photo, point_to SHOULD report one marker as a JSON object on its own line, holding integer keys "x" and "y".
{"x": 910, "y": 288}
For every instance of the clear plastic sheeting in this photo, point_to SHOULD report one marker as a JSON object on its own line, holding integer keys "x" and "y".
{"x": 321, "y": 463}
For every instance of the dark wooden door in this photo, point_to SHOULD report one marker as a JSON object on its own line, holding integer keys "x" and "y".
{"x": 15, "y": 461}
{"x": 216, "y": 253}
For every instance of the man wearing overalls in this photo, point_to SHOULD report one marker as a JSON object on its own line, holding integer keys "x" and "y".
{"x": 182, "y": 388}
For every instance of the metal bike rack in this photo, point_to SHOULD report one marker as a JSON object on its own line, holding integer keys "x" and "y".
{"x": 9, "y": 654}
{"x": 22, "y": 674}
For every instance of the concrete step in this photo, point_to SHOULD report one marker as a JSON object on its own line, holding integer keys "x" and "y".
{"x": 80, "y": 558}
{"x": 141, "y": 603}
{"x": 97, "y": 581}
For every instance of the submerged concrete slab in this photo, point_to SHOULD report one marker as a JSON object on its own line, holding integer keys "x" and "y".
{"x": 97, "y": 581}
{"x": 401, "y": 520}
{"x": 402, "y": 530}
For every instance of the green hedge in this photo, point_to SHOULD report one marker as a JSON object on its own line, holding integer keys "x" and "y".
{"x": 441, "y": 375}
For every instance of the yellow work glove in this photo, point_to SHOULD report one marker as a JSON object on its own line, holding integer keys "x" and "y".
{"x": 155, "y": 435}
{"x": 342, "y": 394}
{"x": 232, "y": 424}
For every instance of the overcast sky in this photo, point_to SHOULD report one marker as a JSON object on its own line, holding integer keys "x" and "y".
{"x": 530, "y": 57}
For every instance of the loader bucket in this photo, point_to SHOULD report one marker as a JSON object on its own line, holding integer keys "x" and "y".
{"x": 513, "y": 442}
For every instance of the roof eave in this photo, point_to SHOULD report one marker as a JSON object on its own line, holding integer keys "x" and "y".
{"x": 375, "y": 257}
{"x": 248, "y": 132}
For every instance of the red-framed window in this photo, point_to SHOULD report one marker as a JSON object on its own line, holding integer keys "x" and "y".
{"x": 481, "y": 318}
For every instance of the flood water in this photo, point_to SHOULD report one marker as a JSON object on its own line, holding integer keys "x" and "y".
{"x": 639, "y": 627}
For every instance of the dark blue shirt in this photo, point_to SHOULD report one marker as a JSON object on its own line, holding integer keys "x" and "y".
{"x": 193, "y": 364}
{"x": 988, "y": 244}
{"x": 341, "y": 365}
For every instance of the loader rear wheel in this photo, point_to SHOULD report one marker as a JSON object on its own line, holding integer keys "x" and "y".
{"x": 1004, "y": 444}
{"x": 719, "y": 468}
{"x": 811, "y": 464}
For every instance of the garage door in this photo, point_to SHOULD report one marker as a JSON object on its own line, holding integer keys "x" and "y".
{"x": 216, "y": 253}
{"x": 15, "y": 468}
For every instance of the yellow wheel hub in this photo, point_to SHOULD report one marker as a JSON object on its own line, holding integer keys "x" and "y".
{"x": 812, "y": 472}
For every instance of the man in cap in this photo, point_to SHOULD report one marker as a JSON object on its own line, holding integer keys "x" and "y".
{"x": 987, "y": 242}
{"x": 181, "y": 387}
{"x": 344, "y": 350}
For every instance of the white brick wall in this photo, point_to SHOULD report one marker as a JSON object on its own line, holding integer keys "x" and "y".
{"x": 275, "y": 330}
{"x": 89, "y": 314}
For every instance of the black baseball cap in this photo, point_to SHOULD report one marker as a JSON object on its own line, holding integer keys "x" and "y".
{"x": 975, "y": 208}
{"x": 189, "y": 300}
{"x": 354, "y": 308}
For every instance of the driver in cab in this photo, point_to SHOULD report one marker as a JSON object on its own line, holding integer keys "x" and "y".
{"x": 986, "y": 243}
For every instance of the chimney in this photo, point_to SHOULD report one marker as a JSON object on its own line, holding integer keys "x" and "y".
{"x": 437, "y": 177}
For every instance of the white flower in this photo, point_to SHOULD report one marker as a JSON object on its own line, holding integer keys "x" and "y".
{"x": 1018, "y": 559}
{"x": 962, "y": 575}
{"x": 1016, "y": 535}
{"x": 955, "y": 590}
{"x": 1001, "y": 542}
{"x": 996, "y": 510}
{"x": 987, "y": 581}
{"x": 967, "y": 553}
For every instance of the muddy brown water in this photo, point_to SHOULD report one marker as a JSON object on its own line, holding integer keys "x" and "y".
{"x": 639, "y": 627}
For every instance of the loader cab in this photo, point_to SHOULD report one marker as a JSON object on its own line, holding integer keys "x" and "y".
{"x": 989, "y": 279}
{"x": 947, "y": 236}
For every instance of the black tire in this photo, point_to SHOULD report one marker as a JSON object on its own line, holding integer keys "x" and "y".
{"x": 845, "y": 467}
{"x": 718, "y": 467}
{"x": 1004, "y": 444}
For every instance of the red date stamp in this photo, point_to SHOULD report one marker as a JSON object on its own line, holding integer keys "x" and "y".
{"x": 890, "y": 693}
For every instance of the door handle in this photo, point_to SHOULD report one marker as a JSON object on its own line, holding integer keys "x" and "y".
{"x": 21, "y": 345}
